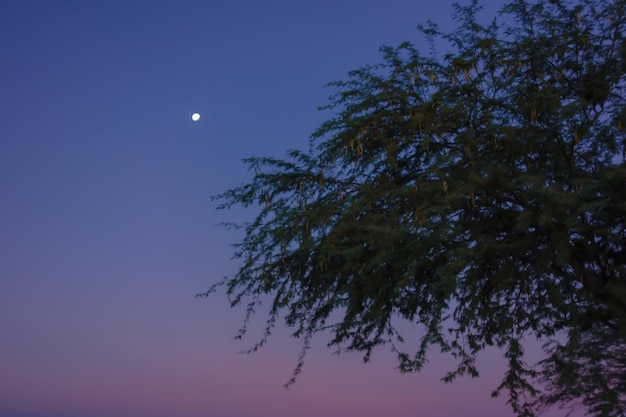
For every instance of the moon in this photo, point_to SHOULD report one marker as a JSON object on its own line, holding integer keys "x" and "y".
{"x": 195, "y": 117}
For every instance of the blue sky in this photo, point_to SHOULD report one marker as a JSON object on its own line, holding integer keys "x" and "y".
{"x": 107, "y": 230}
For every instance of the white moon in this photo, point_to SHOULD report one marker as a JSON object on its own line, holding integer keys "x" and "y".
{"x": 195, "y": 117}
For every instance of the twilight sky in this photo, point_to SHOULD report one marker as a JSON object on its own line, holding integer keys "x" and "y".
{"x": 107, "y": 230}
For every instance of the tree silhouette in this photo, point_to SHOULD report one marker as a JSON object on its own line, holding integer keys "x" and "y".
{"x": 479, "y": 193}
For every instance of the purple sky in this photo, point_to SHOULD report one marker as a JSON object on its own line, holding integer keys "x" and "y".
{"x": 107, "y": 230}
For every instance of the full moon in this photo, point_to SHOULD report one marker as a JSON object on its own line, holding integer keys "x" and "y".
{"x": 195, "y": 117}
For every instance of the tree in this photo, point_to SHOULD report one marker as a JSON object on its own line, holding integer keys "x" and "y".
{"x": 480, "y": 194}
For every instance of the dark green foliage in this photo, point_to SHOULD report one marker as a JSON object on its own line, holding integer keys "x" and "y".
{"x": 480, "y": 194}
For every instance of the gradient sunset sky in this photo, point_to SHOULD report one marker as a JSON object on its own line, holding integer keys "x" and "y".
{"x": 107, "y": 229}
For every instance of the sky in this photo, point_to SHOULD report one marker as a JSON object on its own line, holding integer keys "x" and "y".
{"x": 107, "y": 228}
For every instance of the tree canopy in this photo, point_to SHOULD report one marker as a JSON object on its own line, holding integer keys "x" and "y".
{"x": 478, "y": 192}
